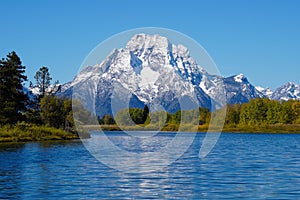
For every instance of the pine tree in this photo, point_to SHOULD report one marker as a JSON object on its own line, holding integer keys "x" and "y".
{"x": 13, "y": 100}
{"x": 43, "y": 80}
{"x": 146, "y": 118}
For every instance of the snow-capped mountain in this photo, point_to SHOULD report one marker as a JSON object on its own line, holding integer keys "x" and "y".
{"x": 54, "y": 88}
{"x": 267, "y": 92}
{"x": 288, "y": 91}
{"x": 238, "y": 89}
{"x": 150, "y": 70}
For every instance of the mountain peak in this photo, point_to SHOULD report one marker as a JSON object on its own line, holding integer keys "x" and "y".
{"x": 290, "y": 84}
{"x": 267, "y": 92}
{"x": 240, "y": 78}
{"x": 288, "y": 91}
{"x": 140, "y": 43}
{"x": 155, "y": 71}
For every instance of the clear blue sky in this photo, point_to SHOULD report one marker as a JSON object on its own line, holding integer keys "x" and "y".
{"x": 258, "y": 38}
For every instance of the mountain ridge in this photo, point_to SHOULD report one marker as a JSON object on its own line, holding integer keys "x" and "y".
{"x": 156, "y": 72}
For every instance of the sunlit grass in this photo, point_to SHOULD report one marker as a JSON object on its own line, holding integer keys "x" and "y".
{"x": 24, "y": 132}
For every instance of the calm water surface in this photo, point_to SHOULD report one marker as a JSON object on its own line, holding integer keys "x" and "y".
{"x": 250, "y": 166}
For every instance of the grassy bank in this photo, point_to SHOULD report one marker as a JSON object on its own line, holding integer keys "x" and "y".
{"x": 25, "y": 132}
{"x": 280, "y": 128}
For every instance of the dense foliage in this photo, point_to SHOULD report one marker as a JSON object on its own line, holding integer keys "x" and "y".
{"x": 264, "y": 111}
{"x": 137, "y": 116}
{"x": 130, "y": 116}
{"x": 44, "y": 108}
{"x": 13, "y": 100}
{"x": 257, "y": 112}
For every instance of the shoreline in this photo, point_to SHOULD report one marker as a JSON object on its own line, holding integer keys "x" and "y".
{"x": 33, "y": 133}
{"x": 290, "y": 128}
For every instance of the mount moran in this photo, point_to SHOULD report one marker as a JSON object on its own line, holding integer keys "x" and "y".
{"x": 152, "y": 71}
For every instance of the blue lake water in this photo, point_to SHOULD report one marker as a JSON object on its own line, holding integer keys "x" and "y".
{"x": 249, "y": 166}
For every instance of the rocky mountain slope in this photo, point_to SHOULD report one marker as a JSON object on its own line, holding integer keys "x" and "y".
{"x": 150, "y": 70}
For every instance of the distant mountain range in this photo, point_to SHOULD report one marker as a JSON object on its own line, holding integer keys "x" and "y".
{"x": 154, "y": 71}
{"x": 288, "y": 91}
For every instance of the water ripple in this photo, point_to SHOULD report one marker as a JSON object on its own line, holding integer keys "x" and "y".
{"x": 248, "y": 166}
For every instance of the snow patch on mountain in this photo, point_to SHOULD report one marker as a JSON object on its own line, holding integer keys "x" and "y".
{"x": 239, "y": 78}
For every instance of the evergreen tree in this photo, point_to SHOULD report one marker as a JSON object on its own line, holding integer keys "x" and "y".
{"x": 43, "y": 79}
{"x": 146, "y": 118}
{"x": 13, "y": 100}
{"x": 43, "y": 84}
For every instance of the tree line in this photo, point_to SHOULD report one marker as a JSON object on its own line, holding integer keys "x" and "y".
{"x": 263, "y": 111}
{"x": 133, "y": 116}
{"x": 260, "y": 111}
{"x": 44, "y": 108}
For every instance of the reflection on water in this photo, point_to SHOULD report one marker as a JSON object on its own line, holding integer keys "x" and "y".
{"x": 241, "y": 166}
{"x": 138, "y": 154}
